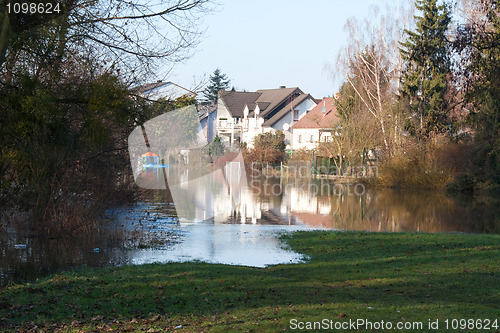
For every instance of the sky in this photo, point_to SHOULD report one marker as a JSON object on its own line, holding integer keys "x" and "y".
{"x": 264, "y": 44}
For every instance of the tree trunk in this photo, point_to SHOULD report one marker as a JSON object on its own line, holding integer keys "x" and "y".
{"x": 4, "y": 37}
{"x": 382, "y": 126}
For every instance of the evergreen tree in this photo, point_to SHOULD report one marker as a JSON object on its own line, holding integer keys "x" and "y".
{"x": 218, "y": 82}
{"x": 480, "y": 72}
{"x": 427, "y": 66}
{"x": 216, "y": 148}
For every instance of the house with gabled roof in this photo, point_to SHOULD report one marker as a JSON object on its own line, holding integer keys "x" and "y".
{"x": 160, "y": 89}
{"x": 318, "y": 125}
{"x": 171, "y": 91}
{"x": 241, "y": 116}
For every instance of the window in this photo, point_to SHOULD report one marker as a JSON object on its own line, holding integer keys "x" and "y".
{"x": 222, "y": 122}
{"x": 295, "y": 115}
{"x": 300, "y": 138}
{"x": 312, "y": 138}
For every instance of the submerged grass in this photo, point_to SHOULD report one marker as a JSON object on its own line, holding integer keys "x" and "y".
{"x": 374, "y": 276}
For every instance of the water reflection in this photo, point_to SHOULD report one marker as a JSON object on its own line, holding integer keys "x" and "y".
{"x": 243, "y": 225}
{"x": 394, "y": 211}
{"x": 41, "y": 256}
{"x": 324, "y": 204}
{"x": 391, "y": 210}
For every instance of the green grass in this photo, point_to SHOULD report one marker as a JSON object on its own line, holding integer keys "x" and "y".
{"x": 376, "y": 276}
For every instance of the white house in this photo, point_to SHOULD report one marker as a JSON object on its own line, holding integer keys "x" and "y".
{"x": 241, "y": 116}
{"x": 316, "y": 126}
{"x": 289, "y": 115}
{"x": 229, "y": 121}
{"x": 167, "y": 90}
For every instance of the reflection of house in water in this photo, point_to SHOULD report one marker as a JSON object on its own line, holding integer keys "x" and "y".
{"x": 256, "y": 209}
{"x": 249, "y": 207}
{"x": 278, "y": 203}
{"x": 310, "y": 209}
{"x": 303, "y": 200}
{"x": 343, "y": 210}
{"x": 224, "y": 199}
{"x": 377, "y": 210}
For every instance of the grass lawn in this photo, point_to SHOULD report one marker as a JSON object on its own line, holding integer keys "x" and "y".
{"x": 350, "y": 276}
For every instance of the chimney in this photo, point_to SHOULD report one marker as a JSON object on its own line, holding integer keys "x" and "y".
{"x": 282, "y": 87}
{"x": 323, "y": 109}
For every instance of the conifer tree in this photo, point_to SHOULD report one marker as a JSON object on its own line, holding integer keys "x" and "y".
{"x": 478, "y": 43}
{"x": 427, "y": 66}
{"x": 218, "y": 82}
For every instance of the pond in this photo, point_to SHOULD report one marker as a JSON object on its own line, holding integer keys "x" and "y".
{"x": 241, "y": 228}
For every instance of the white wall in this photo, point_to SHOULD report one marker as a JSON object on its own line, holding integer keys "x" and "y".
{"x": 222, "y": 111}
{"x": 287, "y": 119}
{"x": 226, "y": 135}
{"x": 253, "y": 129}
{"x": 303, "y": 108}
{"x": 308, "y": 138}
{"x": 326, "y": 136}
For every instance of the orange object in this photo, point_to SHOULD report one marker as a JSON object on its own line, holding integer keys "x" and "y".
{"x": 149, "y": 154}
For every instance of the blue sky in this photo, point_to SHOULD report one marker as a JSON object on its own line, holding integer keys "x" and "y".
{"x": 263, "y": 44}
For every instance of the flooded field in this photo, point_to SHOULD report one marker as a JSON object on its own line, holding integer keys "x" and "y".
{"x": 241, "y": 228}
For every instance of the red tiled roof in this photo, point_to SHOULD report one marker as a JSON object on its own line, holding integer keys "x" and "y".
{"x": 316, "y": 119}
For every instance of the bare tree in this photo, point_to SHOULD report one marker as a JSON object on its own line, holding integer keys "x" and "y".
{"x": 357, "y": 129}
{"x": 132, "y": 36}
{"x": 473, "y": 12}
{"x": 371, "y": 64}
{"x": 65, "y": 103}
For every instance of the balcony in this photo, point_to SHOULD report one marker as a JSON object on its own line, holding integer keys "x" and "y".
{"x": 225, "y": 125}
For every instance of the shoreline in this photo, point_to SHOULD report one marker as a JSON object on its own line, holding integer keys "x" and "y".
{"x": 350, "y": 275}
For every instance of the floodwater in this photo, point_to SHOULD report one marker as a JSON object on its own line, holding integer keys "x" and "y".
{"x": 241, "y": 228}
